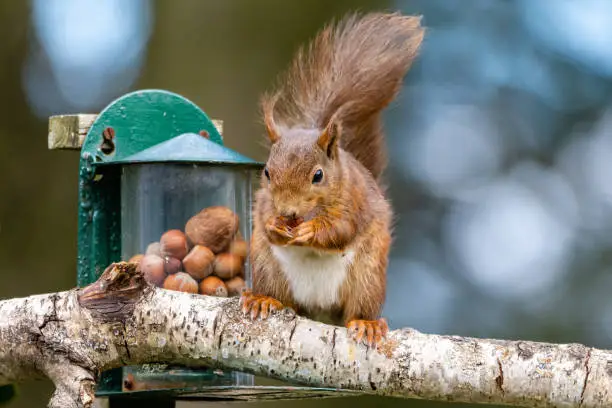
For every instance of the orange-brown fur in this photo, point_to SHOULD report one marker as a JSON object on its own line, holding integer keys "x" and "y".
{"x": 325, "y": 115}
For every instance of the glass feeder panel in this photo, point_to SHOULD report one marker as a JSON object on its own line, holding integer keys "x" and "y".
{"x": 185, "y": 199}
{"x": 189, "y": 227}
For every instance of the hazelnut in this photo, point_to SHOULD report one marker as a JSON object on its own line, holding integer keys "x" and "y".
{"x": 213, "y": 227}
{"x": 239, "y": 247}
{"x": 174, "y": 243}
{"x": 228, "y": 265}
{"x": 199, "y": 262}
{"x": 154, "y": 248}
{"x": 235, "y": 286}
{"x": 181, "y": 282}
{"x": 152, "y": 267}
{"x": 136, "y": 258}
{"x": 171, "y": 265}
{"x": 213, "y": 286}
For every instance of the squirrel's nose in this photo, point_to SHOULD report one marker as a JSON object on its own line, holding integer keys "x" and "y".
{"x": 289, "y": 214}
{"x": 285, "y": 208}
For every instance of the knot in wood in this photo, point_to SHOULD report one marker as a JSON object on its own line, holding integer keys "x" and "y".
{"x": 113, "y": 295}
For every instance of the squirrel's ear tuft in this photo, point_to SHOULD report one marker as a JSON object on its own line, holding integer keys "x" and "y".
{"x": 328, "y": 139}
{"x": 268, "y": 114}
{"x": 271, "y": 128}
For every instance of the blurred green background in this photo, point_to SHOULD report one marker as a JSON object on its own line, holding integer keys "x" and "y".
{"x": 500, "y": 146}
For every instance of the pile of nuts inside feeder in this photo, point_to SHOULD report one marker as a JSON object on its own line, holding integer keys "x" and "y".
{"x": 207, "y": 258}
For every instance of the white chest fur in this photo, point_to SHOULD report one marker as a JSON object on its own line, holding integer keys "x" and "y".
{"x": 314, "y": 278}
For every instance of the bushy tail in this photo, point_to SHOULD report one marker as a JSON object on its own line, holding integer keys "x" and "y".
{"x": 352, "y": 70}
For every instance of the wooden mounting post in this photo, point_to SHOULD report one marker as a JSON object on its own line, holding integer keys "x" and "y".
{"x": 67, "y": 132}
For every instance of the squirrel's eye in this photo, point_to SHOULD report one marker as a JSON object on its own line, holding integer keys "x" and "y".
{"x": 318, "y": 176}
{"x": 267, "y": 174}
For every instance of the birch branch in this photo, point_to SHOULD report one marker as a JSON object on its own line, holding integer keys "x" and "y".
{"x": 120, "y": 320}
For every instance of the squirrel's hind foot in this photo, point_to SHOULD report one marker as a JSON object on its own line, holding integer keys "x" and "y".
{"x": 370, "y": 332}
{"x": 259, "y": 305}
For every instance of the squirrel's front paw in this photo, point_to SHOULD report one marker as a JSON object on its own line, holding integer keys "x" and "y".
{"x": 278, "y": 232}
{"x": 258, "y": 305}
{"x": 303, "y": 234}
{"x": 373, "y": 330}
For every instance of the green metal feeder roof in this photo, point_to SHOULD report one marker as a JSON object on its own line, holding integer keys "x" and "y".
{"x": 189, "y": 148}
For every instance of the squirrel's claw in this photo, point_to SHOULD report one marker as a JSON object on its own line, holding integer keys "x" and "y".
{"x": 303, "y": 234}
{"x": 277, "y": 232}
{"x": 373, "y": 331}
{"x": 258, "y": 305}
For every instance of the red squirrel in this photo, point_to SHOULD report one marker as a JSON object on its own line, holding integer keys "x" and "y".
{"x": 322, "y": 224}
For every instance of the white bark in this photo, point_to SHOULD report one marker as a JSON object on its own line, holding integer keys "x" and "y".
{"x": 72, "y": 336}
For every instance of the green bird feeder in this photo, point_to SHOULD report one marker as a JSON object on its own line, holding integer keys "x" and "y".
{"x": 150, "y": 162}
